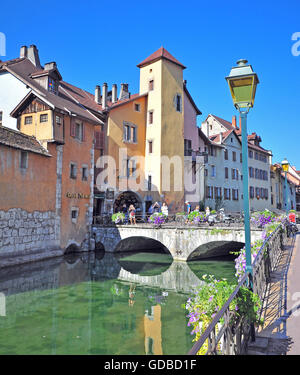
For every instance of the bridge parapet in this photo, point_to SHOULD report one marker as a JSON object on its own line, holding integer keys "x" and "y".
{"x": 181, "y": 242}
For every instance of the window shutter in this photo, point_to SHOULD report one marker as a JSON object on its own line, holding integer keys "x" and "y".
{"x": 72, "y": 128}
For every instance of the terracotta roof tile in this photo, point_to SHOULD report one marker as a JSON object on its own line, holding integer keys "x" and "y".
{"x": 160, "y": 53}
{"x": 16, "y": 139}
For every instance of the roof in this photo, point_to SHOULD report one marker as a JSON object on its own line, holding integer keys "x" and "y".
{"x": 228, "y": 125}
{"x": 16, "y": 139}
{"x": 69, "y": 98}
{"x": 161, "y": 53}
{"x": 225, "y": 135}
{"x": 191, "y": 100}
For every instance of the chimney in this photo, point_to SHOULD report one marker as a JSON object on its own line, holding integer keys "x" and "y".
{"x": 221, "y": 138}
{"x": 50, "y": 65}
{"x": 124, "y": 94}
{"x": 234, "y": 121}
{"x": 98, "y": 94}
{"x": 23, "y": 51}
{"x": 33, "y": 56}
{"x": 207, "y": 134}
{"x": 114, "y": 95}
{"x": 104, "y": 95}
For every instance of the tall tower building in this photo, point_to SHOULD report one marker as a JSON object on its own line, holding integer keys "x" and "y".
{"x": 161, "y": 76}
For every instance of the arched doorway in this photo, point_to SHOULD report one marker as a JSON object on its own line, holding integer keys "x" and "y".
{"x": 128, "y": 198}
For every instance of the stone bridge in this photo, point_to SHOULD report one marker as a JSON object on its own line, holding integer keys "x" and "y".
{"x": 184, "y": 243}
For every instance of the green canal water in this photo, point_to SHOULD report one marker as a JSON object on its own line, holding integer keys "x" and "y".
{"x": 101, "y": 304}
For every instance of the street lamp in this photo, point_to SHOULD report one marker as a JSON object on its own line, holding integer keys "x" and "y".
{"x": 242, "y": 82}
{"x": 285, "y": 167}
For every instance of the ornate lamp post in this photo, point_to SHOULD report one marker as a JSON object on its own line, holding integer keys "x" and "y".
{"x": 242, "y": 82}
{"x": 285, "y": 167}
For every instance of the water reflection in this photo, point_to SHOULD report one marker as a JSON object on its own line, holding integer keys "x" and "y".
{"x": 90, "y": 304}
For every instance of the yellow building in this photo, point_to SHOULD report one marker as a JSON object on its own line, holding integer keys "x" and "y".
{"x": 145, "y": 135}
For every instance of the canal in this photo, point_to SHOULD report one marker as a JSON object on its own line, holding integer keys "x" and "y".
{"x": 98, "y": 303}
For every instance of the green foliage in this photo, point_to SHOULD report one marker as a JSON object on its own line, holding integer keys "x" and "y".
{"x": 117, "y": 218}
{"x": 213, "y": 211}
{"x": 210, "y": 297}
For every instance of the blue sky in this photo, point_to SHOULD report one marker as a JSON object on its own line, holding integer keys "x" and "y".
{"x": 103, "y": 41}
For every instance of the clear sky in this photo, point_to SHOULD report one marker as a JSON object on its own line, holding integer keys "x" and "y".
{"x": 103, "y": 41}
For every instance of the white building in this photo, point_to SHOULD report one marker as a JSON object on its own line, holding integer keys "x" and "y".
{"x": 224, "y": 184}
{"x": 12, "y": 88}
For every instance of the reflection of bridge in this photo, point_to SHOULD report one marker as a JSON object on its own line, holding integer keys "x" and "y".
{"x": 183, "y": 242}
{"x": 178, "y": 277}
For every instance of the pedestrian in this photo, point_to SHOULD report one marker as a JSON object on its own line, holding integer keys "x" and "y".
{"x": 150, "y": 210}
{"x": 164, "y": 209}
{"x": 188, "y": 210}
{"x": 197, "y": 208}
{"x": 207, "y": 211}
{"x": 132, "y": 214}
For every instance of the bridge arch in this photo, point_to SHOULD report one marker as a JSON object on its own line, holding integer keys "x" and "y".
{"x": 141, "y": 243}
{"x": 214, "y": 249}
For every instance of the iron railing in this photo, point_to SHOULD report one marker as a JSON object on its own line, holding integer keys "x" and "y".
{"x": 233, "y": 335}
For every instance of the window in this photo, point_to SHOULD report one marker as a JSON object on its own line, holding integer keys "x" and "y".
{"x": 257, "y": 191}
{"x": 150, "y": 147}
{"x": 218, "y": 192}
{"x": 187, "y": 147}
{"x": 256, "y": 156}
{"x": 226, "y": 194}
{"x": 149, "y": 182}
{"x": 137, "y": 107}
{"x": 234, "y": 174}
{"x": 250, "y": 153}
{"x": 1, "y": 116}
{"x": 251, "y": 172}
{"x": 77, "y": 130}
{"x": 73, "y": 170}
{"x": 235, "y": 194}
{"x": 28, "y": 120}
{"x": 58, "y": 120}
{"x": 52, "y": 85}
{"x": 150, "y": 117}
{"x": 178, "y": 103}
{"x": 151, "y": 85}
{"x": 74, "y": 214}
{"x": 134, "y": 134}
{"x": 226, "y": 154}
{"x": 23, "y": 160}
{"x": 251, "y": 191}
{"x": 241, "y": 158}
{"x": 44, "y": 118}
{"x": 209, "y": 192}
{"x": 226, "y": 172}
{"x": 205, "y": 172}
{"x": 213, "y": 171}
{"x": 85, "y": 173}
{"x": 233, "y": 156}
{"x": 129, "y": 132}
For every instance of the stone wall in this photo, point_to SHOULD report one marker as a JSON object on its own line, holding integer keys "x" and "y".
{"x": 21, "y": 232}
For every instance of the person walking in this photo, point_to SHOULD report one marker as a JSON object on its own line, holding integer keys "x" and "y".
{"x": 207, "y": 211}
{"x": 132, "y": 214}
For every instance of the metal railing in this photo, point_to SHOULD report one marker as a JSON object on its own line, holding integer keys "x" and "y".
{"x": 233, "y": 335}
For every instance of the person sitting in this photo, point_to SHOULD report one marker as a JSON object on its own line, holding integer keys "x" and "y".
{"x": 156, "y": 207}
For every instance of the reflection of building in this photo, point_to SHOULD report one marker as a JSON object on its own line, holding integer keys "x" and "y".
{"x": 152, "y": 326}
